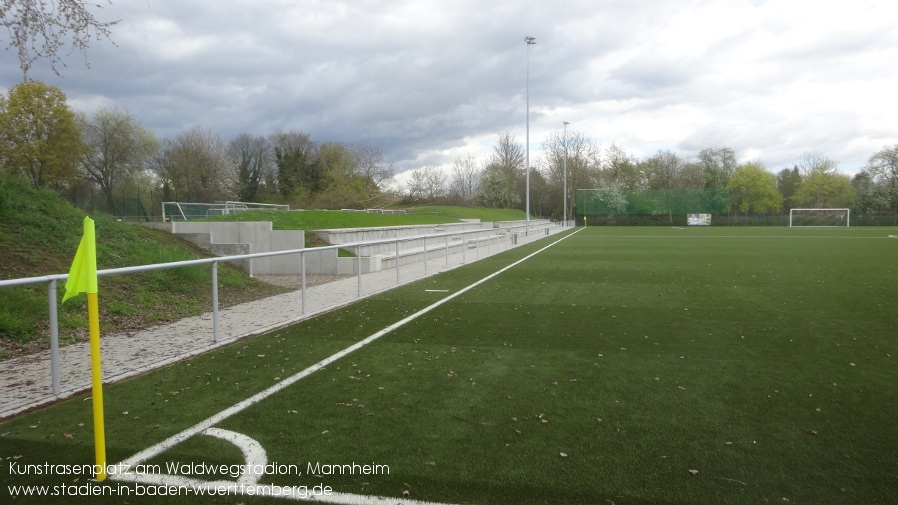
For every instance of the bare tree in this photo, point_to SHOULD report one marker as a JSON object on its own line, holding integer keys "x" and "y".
{"x": 465, "y": 176}
{"x": 508, "y": 157}
{"x": 39, "y": 29}
{"x": 665, "y": 172}
{"x": 717, "y": 166}
{"x": 583, "y": 166}
{"x": 428, "y": 183}
{"x": 370, "y": 161}
{"x": 195, "y": 166}
{"x": 620, "y": 170}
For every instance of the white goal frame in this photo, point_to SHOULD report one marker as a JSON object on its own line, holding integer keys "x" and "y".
{"x": 847, "y": 219}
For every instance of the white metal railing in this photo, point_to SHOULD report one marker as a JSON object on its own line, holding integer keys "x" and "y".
{"x": 509, "y": 236}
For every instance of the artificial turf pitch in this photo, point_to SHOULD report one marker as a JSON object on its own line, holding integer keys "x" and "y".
{"x": 620, "y": 365}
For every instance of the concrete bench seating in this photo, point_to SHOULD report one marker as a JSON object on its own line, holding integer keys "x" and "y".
{"x": 226, "y": 239}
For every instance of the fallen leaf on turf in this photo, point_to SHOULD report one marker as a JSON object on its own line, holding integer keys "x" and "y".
{"x": 693, "y": 472}
{"x": 544, "y": 421}
{"x": 812, "y": 432}
{"x": 68, "y": 436}
{"x": 563, "y": 455}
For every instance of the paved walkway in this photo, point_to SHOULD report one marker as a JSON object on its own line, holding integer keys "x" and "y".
{"x": 25, "y": 382}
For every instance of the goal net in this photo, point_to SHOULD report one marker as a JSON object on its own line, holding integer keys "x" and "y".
{"x": 820, "y": 217}
{"x": 186, "y": 211}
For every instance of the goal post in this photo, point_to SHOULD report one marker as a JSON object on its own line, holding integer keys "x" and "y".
{"x": 819, "y": 218}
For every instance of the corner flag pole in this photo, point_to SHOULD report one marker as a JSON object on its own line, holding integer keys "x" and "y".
{"x": 83, "y": 279}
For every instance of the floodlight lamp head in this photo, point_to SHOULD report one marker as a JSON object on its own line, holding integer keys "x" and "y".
{"x": 565, "y": 122}
{"x": 530, "y": 40}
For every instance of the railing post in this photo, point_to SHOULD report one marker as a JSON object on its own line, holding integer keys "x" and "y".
{"x": 477, "y": 245}
{"x": 447, "y": 252}
{"x": 215, "y": 301}
{"x": 397, "y": 261}
{"x": 425, "y": 256}
{"x": 54, "y": 339}
{"x": 358, "y": 255}
{"x": 302, "y": 260}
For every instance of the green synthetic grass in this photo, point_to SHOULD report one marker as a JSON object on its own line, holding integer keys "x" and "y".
{"x": 712, "y": 365}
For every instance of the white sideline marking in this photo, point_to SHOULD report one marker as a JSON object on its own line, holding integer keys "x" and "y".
{"x": 206, "y": 425}
{"x": 436, "y": 290}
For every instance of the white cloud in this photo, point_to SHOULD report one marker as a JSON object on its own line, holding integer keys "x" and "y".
{"x": 427, "y": 81}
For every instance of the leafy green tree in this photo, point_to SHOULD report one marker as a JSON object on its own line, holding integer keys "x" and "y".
{"x": 342, "y": 185}
{"x": 883, "y": 167}
{"x": 336, "y": 164}
{"x": 822, "y": 186}
{"x": 873, "y": 196}
{"x": 295, "y": 155}
{"x": 116, "y": 146}
{"x": 787, "y": 182}
{"x": 753, "y": 190}
{"x": 39, "y": 137}
{"x": 250, "y": 156}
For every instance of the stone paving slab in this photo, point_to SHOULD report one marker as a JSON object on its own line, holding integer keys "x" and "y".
{"x": 25, "y": 382}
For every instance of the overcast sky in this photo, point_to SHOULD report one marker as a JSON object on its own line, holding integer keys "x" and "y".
{"x": 428, "y": 81}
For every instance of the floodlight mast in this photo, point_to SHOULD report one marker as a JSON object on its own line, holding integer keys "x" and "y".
{"x": 564, "y": 173}
{"x": 530, "y": 41}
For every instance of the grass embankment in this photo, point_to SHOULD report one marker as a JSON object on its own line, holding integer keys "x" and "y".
{"x": 626, "y": 366}
{"x": 329, "y": 219}
{"x": 39, "y": 234}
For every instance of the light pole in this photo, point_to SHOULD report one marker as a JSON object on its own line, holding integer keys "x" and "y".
{"x": 530, "y": 41}
{"x": 564, "y": 170}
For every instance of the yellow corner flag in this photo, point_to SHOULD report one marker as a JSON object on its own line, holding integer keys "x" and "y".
{"x": 83, "y": 279}
{"x": 83, "y": 275}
